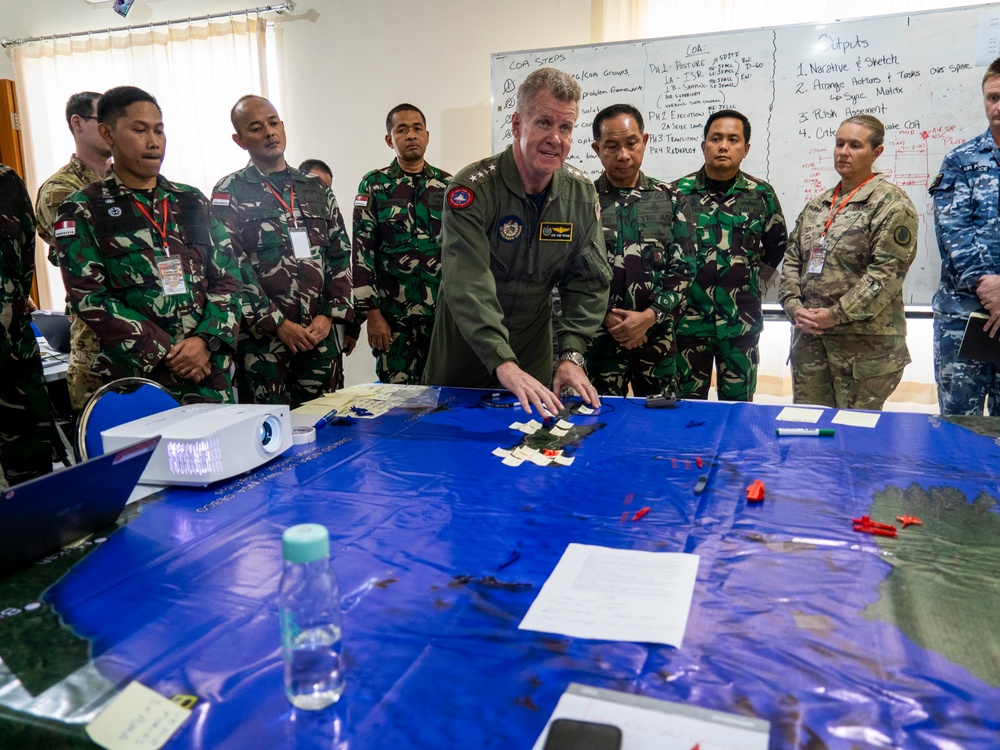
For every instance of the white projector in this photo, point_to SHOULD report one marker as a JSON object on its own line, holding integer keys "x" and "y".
{"x": 205, "y": 443}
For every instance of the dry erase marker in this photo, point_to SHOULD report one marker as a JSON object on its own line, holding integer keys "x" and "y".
{"x": 802, "y": 432}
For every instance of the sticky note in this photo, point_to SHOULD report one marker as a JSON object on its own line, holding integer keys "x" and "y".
{"x": 585, "y": 410}
{"x": 501, "y": 452}
{"x": 516, "y": 425}
{"x": 539, "y": 460}
{"x": 564, "y": 461}
{"x": 511, "y": 461}
{"x": 558, "y": 432}
{"x": 562, "y": 424}
{"x": 799, "y": 414}
{"x": 137, "y": 719}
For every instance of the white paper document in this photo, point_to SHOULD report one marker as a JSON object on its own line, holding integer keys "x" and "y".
{"x": 616, "y": 595}
{"x": 856, "y": 418}
{"x": 651, "y": 724}
{"x": 799, "y": 414}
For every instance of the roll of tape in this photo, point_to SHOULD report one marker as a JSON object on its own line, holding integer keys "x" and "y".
{"x": 303, "y": 435}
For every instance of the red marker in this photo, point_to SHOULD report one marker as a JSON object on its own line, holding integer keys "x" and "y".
{"x": 698, "y": 461}
{"x": 640, "y": 513}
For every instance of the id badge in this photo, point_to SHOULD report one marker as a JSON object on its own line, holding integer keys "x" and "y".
{"x": 172, "y": 276}
{"x": 817, "y": 258}
{"x": 300, "y": 243}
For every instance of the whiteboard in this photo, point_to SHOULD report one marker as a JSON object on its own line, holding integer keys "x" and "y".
{"x": 920, "y": 74}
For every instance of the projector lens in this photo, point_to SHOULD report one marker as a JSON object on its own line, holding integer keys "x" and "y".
{"x": 270, "y": 434}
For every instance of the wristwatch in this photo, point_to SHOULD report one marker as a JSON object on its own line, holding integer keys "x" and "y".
{"x": 214, "y": 343}
{"x": 571, "y": 355}
{"x": 661, "y": 316}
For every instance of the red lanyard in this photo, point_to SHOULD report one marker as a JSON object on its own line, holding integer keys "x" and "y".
{"x": 833, "y": 202}
{"x": 161, "y": 231}
{"x": 290, "y": 209}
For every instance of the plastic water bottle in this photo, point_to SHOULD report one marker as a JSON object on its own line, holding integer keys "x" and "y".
{"x": 310, "y": 619}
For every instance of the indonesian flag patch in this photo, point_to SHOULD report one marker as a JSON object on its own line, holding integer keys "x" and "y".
{"x": 65, "y": 228}
{"x": 221, "y": 199}
{"x": 361, "y": 201}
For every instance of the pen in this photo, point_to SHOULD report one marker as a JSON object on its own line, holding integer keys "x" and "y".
{"x": 326, "y": 420}
{"x": 802, "y": 431}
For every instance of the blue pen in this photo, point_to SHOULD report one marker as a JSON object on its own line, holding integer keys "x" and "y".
{"x": 325, "y": 420}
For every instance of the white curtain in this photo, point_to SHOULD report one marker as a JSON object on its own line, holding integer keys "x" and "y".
{"x": 196, "y": 71}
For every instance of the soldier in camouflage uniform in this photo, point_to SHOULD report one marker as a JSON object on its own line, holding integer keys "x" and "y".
{"x": 741, "y": 240}
{"x": 842, "y": 280}
{"x": 967, "y": 222}
{"x": 90, "y": 162}
{"x": 289, "y": 239}
{"x": 397, "y": 261}
{"x": 649, "y": 240}
{"x": 145, "y": 265}
{"x": 25, "y": 412}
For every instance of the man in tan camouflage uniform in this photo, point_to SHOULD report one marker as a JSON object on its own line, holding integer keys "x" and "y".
{"x": 289, "y": 240}
{"x": 145, "y": 265}
{"x": 842, "y": 280}
{"x": 90, "y": 162}
{"x": 741, "y": 240}
{"x": 397, "y": 261}
{"x": 649, "y": 239}
{"x": 25, "y": 412}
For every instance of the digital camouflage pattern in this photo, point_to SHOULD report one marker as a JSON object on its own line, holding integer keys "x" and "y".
{"x": 870, "y": 245}
{"x": 738, "y": 233}
{"x": 966, "y": 195}
{"x": 111, "y": 261}
{"x": 25, "y": 412}
{"x": 81, "y": 380}
{"x": 500, "y": 259}
{"x": 277, "y": 286}
{"x": 650, "y": 244}
{"x": 397, "y": 262}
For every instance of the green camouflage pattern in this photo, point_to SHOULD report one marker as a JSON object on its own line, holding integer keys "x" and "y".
{"x": 110, "y": 253}
{"x": 25, "y": 411}
{"x": 737, "y": 234}
{"x": 397, "y": 261}
{"x": 735, "y": 360}
{"x": 853, "y": 371}
{"x": 277, "y": 286}
{"x": 870, "y": 245}
{"x": 81, "y": 380}
{"x": 650, "y": 244}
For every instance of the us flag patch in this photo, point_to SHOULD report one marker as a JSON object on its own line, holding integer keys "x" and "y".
{"x": 361, "y": 201}
{"x": 221, "y": 199}
{"x": 65, "y": 228}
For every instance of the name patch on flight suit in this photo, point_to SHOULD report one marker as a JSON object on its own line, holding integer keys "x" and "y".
{"x": 556, "y": 231}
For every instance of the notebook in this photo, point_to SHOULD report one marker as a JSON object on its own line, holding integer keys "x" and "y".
{"x": 977, "y": 344}
{"x": 44, "y": 515}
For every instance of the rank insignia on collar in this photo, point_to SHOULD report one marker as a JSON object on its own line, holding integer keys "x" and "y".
{"x": 461, "y": 197}
{"x": 361, "y": 201}
{"x": 510, "y": 228}
{"x": 556, "y": 231}
{"x": 220, "y": 199}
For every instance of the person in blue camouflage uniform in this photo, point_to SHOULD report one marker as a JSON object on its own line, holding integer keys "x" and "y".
{"x": 741, "y": 241}
{"x": 145, "y": 265}
{"x": 25, "y": 412}
{"x": 288, "y": 237}
{"x": 649, "y": 238}
{"x": 967, "y": 224}
{"x": 397, "y": 260}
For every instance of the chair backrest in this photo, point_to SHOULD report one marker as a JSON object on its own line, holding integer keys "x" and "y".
{"x": 116, "y": 403}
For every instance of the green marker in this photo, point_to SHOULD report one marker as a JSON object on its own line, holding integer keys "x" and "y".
{"x": 802, "y": 432}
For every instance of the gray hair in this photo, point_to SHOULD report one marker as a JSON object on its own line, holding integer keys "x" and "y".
{"x": 561, "y": 85}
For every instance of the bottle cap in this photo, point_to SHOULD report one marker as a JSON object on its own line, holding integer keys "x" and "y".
{"x": 306, "y": 542}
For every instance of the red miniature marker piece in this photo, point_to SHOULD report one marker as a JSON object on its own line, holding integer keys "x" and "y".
{"x": 640, "y": 513}
{"x": 697, "y": 460}
{"x": 549, "y": 452}
{"x": 907, "y": 520}
{"x": 755, "y": 492}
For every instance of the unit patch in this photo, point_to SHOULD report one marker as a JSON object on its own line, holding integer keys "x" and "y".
{"x": 556, "y": 231}
{"x": 65, "y": 228}
{"x": 220, "y": 199}
{"x": 510, "y": 228}
{"x": 461, "y": 197}
{"x": 901, "y": 235}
